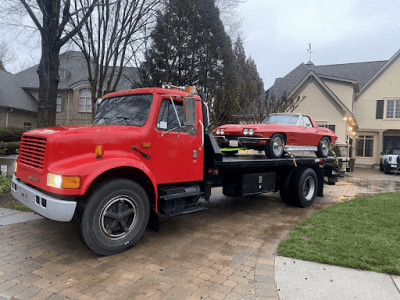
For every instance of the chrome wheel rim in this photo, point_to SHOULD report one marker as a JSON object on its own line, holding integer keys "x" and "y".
{"x": 325, "y": 147}
{"x": 278, "y": 149}
{"x": 118, "y": 217}
{"x": 309, "y": 188}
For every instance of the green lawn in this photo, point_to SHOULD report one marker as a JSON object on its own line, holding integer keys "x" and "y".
{"x": 363, "y": 233}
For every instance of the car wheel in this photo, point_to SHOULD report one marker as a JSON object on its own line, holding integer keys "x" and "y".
{"x": 115, "y": 216}
{"x": 324, "y": 147}
{"x": 386, "y": 168}
{"x": 275, "y": 146}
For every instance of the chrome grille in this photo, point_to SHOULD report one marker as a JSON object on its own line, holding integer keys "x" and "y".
{"x": 32, "y": 150}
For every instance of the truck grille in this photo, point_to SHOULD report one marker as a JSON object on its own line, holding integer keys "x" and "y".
{"x": 32, "y": 151}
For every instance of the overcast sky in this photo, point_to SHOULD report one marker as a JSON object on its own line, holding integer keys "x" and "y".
{"x": 277, "y": 33}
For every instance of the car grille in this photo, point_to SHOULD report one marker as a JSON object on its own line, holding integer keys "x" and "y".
{"x": 32, "y": 151}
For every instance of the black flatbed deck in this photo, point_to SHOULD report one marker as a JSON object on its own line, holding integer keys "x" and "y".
{"x": 257, "y": 161}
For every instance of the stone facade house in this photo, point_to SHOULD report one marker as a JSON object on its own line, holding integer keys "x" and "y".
{"x": 74, "y": 105}
{"x": 18, "y": 108}
{"x": 359, "y": 101}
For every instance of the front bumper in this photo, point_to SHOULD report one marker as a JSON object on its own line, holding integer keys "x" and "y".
{"x": 45, "y": 205}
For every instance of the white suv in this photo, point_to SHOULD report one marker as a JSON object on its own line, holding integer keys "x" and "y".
{"x": 390, "y": 162}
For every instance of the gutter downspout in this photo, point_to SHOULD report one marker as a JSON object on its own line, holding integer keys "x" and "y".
{"x": 7, "y": 111}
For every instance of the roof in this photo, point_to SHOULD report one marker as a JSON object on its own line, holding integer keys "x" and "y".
{"x": 73, "y": 70}
{"x": 356, "y": 72}
{"x": 12, "y": 94}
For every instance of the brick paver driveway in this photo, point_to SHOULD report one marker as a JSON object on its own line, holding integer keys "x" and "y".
{"x": 225, "y": 252}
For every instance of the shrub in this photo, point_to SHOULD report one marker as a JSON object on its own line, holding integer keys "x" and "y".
{"x": 11, "y": 134}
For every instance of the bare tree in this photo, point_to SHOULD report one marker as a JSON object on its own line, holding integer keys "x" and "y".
{"x": 110, "y": 38}
{"x": 50, "y": 18}
{"x": 6, "y": 55}
{"x": 230, "y": 16}
{"x": 283, "y": 103}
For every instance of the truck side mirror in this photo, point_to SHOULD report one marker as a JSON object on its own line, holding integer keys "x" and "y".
{"x": 189, "y": 107}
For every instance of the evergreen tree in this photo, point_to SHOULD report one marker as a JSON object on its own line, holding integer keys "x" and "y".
{"x": 190, "y": 47}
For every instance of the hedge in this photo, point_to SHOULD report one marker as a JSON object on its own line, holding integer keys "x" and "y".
{"x": 11, "y": 134}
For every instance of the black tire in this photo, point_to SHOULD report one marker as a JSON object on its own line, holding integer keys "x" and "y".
{"x": 274, "y": 150}
{"x": 304, "y": 187}
{"x": 115, "y": 216}
{"x": 381, "y": 166}
{"x": 285, "y": 190}
{"x": 386, "y": 168}
{"x": 324, "y": 147}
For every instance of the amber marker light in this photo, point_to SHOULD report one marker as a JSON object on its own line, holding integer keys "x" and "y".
{"x": 71, "y": 182}
{"x": 99, "y": 151}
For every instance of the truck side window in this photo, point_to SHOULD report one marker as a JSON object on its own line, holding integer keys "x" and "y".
{"x": 167, "y": 117}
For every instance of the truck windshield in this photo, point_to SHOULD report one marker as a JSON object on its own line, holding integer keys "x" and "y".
{"x": 124, "y": 110}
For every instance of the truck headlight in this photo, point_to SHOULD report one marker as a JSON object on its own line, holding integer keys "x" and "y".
{"x": 63, "y": 182}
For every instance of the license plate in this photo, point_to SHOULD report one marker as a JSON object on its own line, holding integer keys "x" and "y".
{"x": 394, "y": 166}
{"x": 233, "y": 143}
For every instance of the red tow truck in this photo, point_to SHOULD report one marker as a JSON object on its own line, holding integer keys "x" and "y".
{"x": 148, "y": 153}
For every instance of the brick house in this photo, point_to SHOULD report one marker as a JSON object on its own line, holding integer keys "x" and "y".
{"x": 359, "y": 101}
{"x": 74, "y": 94}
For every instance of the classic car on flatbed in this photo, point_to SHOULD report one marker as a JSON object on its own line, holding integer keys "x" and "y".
{"x": 277, "y": 134}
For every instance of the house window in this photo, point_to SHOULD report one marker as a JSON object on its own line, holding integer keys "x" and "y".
{"x": 365, "y": 146}
{"x": 392, "y": 109}
{"x": 60, "y": 104}
{"x": 331, "y": 127}
{"x": 85, "y": 100}
{"x": 27, "y": 126}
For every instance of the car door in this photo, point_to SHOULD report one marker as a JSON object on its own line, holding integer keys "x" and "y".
{"x": 310, "y": 136}
{"x": 175, "y": 152}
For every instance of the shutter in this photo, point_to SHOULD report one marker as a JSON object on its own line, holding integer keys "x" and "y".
{"x": 379, "y": 109}
{"x": 62, "y": 104}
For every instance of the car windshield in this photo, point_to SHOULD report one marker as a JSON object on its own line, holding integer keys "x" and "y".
{"x": 281, "y": 119}
{"x": 124, "y": 110}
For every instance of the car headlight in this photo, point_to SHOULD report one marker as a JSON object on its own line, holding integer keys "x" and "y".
{"x": 245, "y": 131}
{"x": 222, "y": 131}
{"x": 251, "y": 131}
{"x": 63, "y": 182}
{"x": 218, "y": 131}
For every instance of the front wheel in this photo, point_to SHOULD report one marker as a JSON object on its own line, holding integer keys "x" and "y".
{"x": 324, "y": 147}
{"x": 276, "y": 146}
{"x": 115, "y": 216}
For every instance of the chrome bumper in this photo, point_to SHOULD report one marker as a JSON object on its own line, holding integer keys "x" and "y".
{"x": 46, "y": 206}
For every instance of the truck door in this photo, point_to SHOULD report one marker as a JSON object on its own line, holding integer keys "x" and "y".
{"x": 176, "y": 149}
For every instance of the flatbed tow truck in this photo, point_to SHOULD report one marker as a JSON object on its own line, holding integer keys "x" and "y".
{"x": 147, "y": 154}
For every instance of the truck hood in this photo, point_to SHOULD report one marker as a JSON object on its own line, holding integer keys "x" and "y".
{"x": 58, "y": 140}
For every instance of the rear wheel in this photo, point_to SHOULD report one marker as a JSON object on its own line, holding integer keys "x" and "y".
{"x": 386, "y": 168}
{"x": 299, "y": 187}
{"x": 275, "y": 146}
{"x": 324, "y": 147}
{"x": 115, "y": 217}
